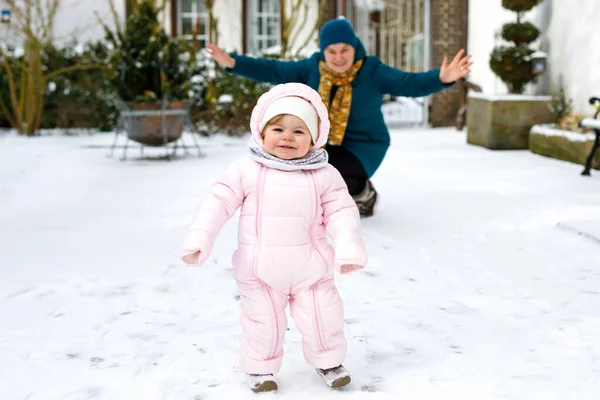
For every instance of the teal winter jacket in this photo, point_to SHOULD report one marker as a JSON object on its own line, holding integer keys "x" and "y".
{"x": 367, "y": 136}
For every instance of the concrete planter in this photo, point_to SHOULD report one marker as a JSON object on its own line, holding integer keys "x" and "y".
{"x": 562, "y": 145}
{"x": 503, "y": 122}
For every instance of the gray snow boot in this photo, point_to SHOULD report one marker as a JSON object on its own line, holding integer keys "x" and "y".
{"x": 365, "y": 201}
{"x": 261, "y": 383}
{"x": 336, "y": 377}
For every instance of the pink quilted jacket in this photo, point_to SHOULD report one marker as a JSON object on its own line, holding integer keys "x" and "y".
{"x": 285, "y": 215}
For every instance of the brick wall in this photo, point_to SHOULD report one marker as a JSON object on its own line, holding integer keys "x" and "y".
{"x": 448, "y": 35}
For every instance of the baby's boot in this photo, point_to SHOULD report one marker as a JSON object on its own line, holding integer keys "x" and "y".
{"x": 336, "y": 377}
{"x": 261, "y": 383}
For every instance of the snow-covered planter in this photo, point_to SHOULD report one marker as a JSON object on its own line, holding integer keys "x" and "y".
{"x": 503, "y": 122}
{"x": 550, "y": 141}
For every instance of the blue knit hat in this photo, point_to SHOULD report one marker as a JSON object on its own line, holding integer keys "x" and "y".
{"x": 337, "y": 31}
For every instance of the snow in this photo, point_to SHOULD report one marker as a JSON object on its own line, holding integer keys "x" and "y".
{"x": 304, "y": 52}
{"x": 549, "y": 130}
{"x": 591, "y": 123}
{"x": 225, "y": 98}
{"x": 473, "y": 290}
{"x": 403, "y": 111}
{"x": 508, "y": 97}
{"x": 586, "y": 228}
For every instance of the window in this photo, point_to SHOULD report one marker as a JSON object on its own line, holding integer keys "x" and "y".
{"x": 193, "y": 20}
{"x": 264, "y": 28}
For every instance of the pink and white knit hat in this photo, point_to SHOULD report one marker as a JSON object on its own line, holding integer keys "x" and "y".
{"x": 293, "y": 106}
{"x": 295, "y": 99}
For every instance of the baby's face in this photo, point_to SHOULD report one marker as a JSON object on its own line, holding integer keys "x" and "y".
{"x": 287, "y": 137}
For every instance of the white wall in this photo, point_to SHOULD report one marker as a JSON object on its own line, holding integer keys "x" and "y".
{"x": 574, "y": 49}
{"x": 77, "y": 18}
{"x": 6, "y": 37}
{"x": 74, "y": 19}
{"x": 570, "y": 36}
{"x": 229, "y": 22}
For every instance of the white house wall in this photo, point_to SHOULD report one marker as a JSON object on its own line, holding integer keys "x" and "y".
{"x": 570, "y": 36}
{"x": 77, "y": 18}
{"x": 229, "y": 23}
{"x": 574, "y": 48}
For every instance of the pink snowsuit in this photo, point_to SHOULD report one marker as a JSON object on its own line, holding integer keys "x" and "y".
{"x": 283, "y": 253}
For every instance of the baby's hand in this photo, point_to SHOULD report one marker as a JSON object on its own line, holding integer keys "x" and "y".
{"x": 191, "y": 258}
{"x": 350, "y": 268}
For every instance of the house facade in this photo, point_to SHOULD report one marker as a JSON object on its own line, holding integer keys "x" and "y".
{"x": 392, "y": 30}
{"x": 569, "y": 35}
{"x": 413, "y": 35}
{"x": 246, "y": 26}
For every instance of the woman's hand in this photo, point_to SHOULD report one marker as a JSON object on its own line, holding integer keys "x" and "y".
{"x": 222, "y": 58}
{"x": 458, "y": 68}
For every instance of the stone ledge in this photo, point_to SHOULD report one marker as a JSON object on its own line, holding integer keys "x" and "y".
{"x": 503, "y": 122}
{"x": 562, "y": 145}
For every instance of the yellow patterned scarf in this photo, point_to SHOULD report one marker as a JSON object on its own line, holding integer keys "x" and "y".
{"x": 340, "y": 106}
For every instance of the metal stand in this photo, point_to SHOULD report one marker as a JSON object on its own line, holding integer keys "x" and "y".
{"x": 588, "y": 164}
{"x": 124, "y": 126}
{"x": 595, "y": 124}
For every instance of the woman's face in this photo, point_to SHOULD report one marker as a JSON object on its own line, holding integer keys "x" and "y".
{"x": 339, "y": 57}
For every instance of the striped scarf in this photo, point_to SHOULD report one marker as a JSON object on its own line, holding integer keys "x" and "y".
{"x": 339, "y": 110}
{"x": 315, "y": 159}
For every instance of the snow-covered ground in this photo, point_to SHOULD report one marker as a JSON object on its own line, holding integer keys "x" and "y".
{"x": 478, "y": 286}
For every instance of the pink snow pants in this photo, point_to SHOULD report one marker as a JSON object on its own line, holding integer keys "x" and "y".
{"x": 315, "y": 305}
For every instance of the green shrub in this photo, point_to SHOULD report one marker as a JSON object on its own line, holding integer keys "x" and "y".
{"x": 228, "y": 100}
{"x": 520, "y": 5}
{"x": 513, "y": 65}
{"x": 520, "y": 34}
{"x": 146, "y": 64}
{"x": 14, "y": 61}
{"x": 79, "y": 99}
{"x": 561, "y": 105}
{"x": 76, "y": 99}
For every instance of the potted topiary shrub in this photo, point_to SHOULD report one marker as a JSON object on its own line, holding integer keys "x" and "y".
{"x": 152, "y": 74}
{"x": 504, "y": 121}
